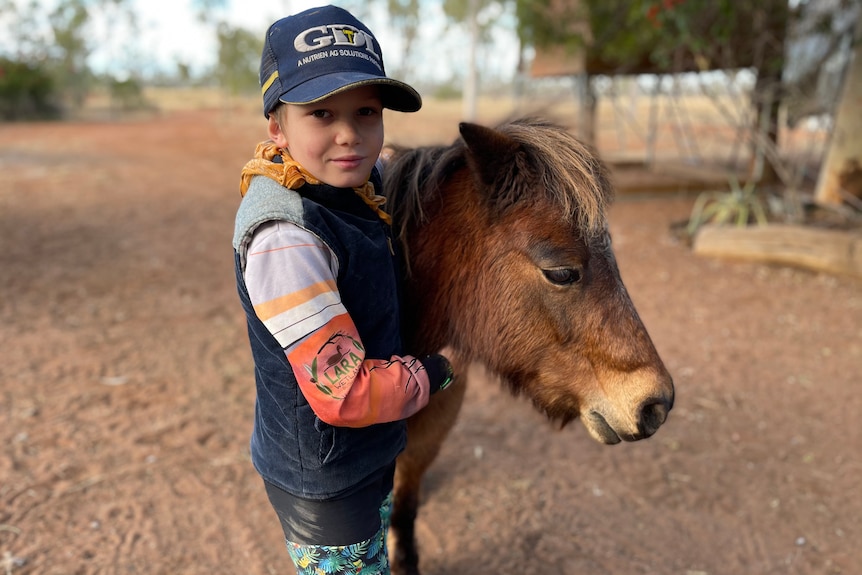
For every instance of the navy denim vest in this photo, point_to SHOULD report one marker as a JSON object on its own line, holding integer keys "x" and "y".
{"x": 290, "y": 446}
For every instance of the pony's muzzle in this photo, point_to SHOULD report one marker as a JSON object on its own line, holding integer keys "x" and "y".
{"x": 648, "y": 417}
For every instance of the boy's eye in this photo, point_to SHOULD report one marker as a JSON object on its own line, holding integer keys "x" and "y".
{"x": 367, "y": 111}
{"x": 320, "y": 113}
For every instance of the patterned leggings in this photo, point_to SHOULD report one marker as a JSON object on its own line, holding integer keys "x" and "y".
{"x": 364, "y": 558}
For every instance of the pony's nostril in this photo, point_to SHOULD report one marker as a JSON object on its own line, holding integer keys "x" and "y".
{"x": 652, "y": 416}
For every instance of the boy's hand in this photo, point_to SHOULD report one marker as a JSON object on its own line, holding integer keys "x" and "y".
{"x": 449, "y": 354}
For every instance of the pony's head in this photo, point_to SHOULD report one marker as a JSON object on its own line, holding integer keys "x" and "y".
{"x": 510, "y": 261}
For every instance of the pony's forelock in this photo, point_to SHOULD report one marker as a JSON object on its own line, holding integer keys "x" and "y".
{"x": 570, "y": 173}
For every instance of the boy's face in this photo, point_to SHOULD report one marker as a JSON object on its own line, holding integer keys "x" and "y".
{"x": 337, "y": 139}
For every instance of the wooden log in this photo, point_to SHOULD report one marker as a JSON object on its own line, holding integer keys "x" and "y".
{"x": 827, "y": 250}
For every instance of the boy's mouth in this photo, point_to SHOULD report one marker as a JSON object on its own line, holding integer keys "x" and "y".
{"x": 348, "y": 162}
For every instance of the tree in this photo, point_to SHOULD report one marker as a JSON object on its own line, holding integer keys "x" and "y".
{"x": 59, "y": 40}
{"x": 238, "y": 59}
{"x": 26, "y": 91}
{"x": 670, "y": 36}
{"x": 840, "y": 176}
{"x": 207, "y": 10}
{"x": 479, "y": 16}
{"x": 649, "y": 36}
{"x": 68, "y": 20}
{"x": 404, "y": 16}
{"x": 23, "y": 29}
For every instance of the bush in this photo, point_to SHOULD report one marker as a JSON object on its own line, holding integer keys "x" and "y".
{"x": 449, "y": 91}
{"x": 26, "y": 92}
{"x": 127, "y": 95}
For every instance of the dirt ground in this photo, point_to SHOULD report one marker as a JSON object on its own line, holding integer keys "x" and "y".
{"x": 126, "y": 391}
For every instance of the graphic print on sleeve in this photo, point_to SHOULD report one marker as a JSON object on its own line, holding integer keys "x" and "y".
{"x": 344, "y": 388}
{"x": 336, "y": 362}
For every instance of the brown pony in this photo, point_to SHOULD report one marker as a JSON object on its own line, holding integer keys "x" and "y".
{"x": 510, "y": 263}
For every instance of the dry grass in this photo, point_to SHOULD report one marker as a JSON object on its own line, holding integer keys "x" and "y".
{"x": 437, "y": 122}
{"x": 695, "y": 131}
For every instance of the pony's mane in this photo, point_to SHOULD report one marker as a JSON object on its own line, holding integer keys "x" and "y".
{"x": 559, "y": 166}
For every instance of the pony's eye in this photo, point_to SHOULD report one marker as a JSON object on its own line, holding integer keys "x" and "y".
{"x": 562, "y": 276}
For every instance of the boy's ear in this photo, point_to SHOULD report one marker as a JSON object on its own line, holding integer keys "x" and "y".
{"x": 275, "y": 133}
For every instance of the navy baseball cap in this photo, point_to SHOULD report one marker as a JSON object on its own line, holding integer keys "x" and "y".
{"x": 323, "y": 51}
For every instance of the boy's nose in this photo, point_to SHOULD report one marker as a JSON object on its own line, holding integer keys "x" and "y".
{"x": 347, "y": 134}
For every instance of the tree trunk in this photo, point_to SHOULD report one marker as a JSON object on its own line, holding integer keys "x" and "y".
{"x": 769, "y": 59}
{"x": 841, "y": 173}
{"x": 588, "y": 108}
{"x": 471, "y": 82}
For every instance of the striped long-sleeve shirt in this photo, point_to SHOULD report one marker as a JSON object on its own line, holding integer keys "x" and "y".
{"x": 291, "y": 279}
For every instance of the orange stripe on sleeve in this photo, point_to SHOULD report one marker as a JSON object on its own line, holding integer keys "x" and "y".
{"x": 273, "y": 307}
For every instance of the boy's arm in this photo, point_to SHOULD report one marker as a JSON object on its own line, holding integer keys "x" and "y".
{"x": 290, "y": 276}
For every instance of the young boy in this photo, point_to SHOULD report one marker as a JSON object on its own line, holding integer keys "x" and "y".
{"x": 318, "y": 279}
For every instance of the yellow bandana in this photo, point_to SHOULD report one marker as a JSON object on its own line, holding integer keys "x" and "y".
{"x": 292, "y": 176}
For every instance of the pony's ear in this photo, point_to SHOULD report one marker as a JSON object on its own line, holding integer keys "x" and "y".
{"x": 489, "y": 150}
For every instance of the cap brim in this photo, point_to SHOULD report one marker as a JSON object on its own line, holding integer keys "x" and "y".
{"x": 395, "y": 95}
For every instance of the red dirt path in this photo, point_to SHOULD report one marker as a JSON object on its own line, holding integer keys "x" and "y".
{"x": 126, "y": 392}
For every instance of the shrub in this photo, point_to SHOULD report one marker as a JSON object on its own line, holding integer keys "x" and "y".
{"x": 26, "y": 92}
